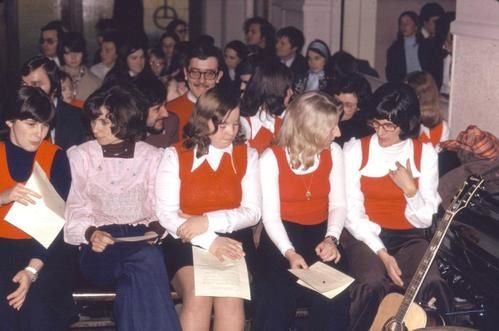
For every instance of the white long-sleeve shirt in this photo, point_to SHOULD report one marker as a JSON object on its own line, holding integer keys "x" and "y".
{"x": 419, "y": 209}
{"x": 222, "y": 221}
{"x": 271, "y": 212}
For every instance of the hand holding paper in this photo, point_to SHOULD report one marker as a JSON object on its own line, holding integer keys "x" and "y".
{"x": 44, "y": 219}
{"x": 323, "y": 279}
{"x": 19, "y": 193}
{"x": 219, "y": 279}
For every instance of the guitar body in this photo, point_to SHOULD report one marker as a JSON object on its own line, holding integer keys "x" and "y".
{"x": 415, "y": 317}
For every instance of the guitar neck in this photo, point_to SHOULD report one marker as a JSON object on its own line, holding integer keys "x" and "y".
{"x": 424, "y": 265}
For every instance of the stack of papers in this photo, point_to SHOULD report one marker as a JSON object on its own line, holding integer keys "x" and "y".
{"x": 219, "y": 279}
{"x": 44, "y": 219}
{"x": 323, "y": 279}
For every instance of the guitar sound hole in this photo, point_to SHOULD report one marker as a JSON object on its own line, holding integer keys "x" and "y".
{"x": 393, "y": 325}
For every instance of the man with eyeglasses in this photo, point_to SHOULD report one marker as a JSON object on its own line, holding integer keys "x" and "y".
{"x": 51, "y": 41}
{"x": 202, "y": 71}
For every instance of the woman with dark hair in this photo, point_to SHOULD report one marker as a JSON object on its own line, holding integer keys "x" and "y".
{"x": 179, "y": 28}
{"x": 74, "y": 57}
{"x": 169, "y": 43}
{"x": 208, "y": 194}
{"x": 260, "y": 38}
{"x": 112, "y": 196}
{"x": 235, "y": 52}
{"x": 131, "y": 64}
{"x": 318, "y": 57}
{"x": 33, "y": 285}
{"x": 263, "y": 103}
{"x": 304, "y": 209}
{"x": 409, "y": 52}
{"x": 108, "y": 54}
{"x": 391, "y": 186}
{"x": 354, "y": 93}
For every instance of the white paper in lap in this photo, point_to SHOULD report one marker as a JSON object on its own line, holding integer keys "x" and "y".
{"x": 219, "y": 279}
{"x": 43, "y": 220}
{"x": 323, "y": 279}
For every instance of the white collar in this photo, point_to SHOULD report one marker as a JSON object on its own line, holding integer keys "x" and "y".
{"x": 262, "y": 119}
{"x": 289, "y": 61}
{"x": 192, "y": 98}
{"x": 214, "y": 156}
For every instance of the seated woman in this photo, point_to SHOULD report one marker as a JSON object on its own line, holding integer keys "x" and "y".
{"x": 304, "y": 209}
{"x": 434, "y": 129}
{"x": 208, "y": 185}
{"x": 391, "y": 186}
{"x": 112, "y": 196}
{"x": 263, "y": 103}
{"x": 31, "y": 285}
{"x": 354, "y": 92}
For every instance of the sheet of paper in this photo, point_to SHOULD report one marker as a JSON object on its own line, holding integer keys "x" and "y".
{"x": 44, "y": 219}
{"x": 323, "y": 279}
{"x": 219, "y": 279}
{"x": 145, "y": 237}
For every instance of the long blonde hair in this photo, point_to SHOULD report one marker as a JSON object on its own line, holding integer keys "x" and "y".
{"x": 429, "y": 98}
{"x": 307, "y": 126}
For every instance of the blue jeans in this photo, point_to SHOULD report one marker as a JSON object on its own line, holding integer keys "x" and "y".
{"x": 137, "y": 273}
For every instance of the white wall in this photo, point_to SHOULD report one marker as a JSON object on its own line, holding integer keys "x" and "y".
{"x": 474, "y": 95}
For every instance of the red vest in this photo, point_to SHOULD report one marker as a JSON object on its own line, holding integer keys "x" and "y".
{"x": 384, "y": 201}
{"x": 184, "y": 108}
{"x": 264, "y": 137}
{"x": 204, "y": 190}
{"x": 44, "y": 156}
{"x": 435, "y": 135}
{"x": 295, "y": 207}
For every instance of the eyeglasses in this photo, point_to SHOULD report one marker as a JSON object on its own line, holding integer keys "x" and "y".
{"x": 156, "y": 64}
{"x": 208, "y": 75}
{"x": 388, "y": 127}
{"x": 49, "y": 41}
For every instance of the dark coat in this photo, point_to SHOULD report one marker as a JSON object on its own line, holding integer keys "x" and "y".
{"x": 299, "y": 67}
{"x": 396, "y": 69}
{"x": 69, "y": 126}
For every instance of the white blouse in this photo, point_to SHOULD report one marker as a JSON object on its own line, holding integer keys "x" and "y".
{"x": 223, "y": 221}
{"x": 271, "y": 212}
{"x": 419, "y": 209}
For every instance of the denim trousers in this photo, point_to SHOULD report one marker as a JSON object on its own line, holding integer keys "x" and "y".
{"x": 138, "y": 274}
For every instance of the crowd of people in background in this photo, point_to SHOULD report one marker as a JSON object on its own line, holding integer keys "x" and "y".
{"x": 249, "y": 150}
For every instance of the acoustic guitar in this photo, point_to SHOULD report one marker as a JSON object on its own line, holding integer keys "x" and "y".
{"x": 399, "y": 312}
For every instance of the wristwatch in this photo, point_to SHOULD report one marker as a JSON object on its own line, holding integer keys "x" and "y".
{"x": 34, "y": 273}
{"x": 334, "y": 240}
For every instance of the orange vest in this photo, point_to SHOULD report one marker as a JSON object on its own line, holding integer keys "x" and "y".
{"x": 204, "y": 189}
{"x": 264, "y": 137}
{"x": 295, "y": 207}
{"x": 435, "y": 135}
{"x": 44, "y": 156}
{"x": 184, "y": 108}
{"x": 384, "y": 201}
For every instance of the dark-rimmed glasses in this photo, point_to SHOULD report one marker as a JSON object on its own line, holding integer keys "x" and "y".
{"x": 388, "y": 127}
{"x": 208, "y": 75}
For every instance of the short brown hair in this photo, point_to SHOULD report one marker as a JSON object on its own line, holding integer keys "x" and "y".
{"x": 215, "y": 105}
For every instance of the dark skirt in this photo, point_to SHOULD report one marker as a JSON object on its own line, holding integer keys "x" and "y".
{"x": 179, "y": 254}
{"x": 280, "y": 295}
{"x": 48, "y": 304}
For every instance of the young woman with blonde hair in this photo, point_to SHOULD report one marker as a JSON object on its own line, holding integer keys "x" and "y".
{"x": 434, "y": 128}
{"x": 206, "y": 186}
{"x": 303, "y": 210}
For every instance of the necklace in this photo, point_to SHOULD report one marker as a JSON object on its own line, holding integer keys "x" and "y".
{"x": 308, "y": 194}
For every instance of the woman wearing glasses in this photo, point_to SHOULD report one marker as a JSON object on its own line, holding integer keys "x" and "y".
{"x": 208, "y": 185}
{"x": 391, "y": 186}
